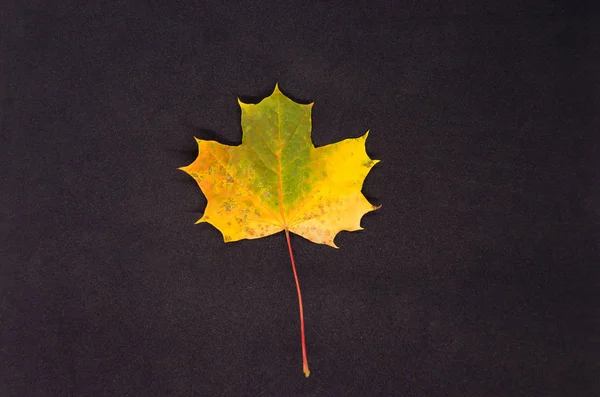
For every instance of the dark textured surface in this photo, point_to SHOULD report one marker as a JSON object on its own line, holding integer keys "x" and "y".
{"x": 477, "y": 277}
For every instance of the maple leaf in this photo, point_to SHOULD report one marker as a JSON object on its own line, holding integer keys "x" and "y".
{"x": 276, "y": 180}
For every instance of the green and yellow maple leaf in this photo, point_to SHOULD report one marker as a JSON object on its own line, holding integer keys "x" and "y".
{"x": 276, "y": 180}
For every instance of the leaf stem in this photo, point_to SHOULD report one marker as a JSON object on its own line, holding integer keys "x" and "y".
{"x": 304, "y": 359}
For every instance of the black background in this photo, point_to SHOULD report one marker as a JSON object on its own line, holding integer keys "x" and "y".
{"x": 477, "y": 277}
